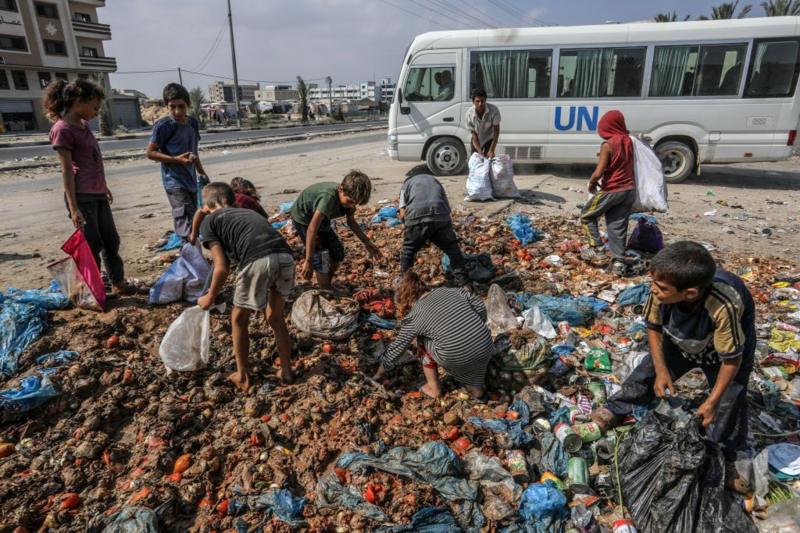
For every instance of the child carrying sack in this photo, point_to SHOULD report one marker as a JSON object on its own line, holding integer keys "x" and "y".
{"x": 651, "y": 186}
{"x": 479, "y": 180}
{"x": 503, "y": 177}
{"x": 186, "y": 344}
{"x": 78, "y": 275}
{"x": 185, "y": 279}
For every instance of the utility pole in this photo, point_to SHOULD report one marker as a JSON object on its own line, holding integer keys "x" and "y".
{"x": 329, "y": 81}
{"x": 180, "y": 75}
{"x": 235, "y": 71}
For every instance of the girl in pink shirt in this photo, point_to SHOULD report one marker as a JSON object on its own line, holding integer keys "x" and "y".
{"x": 71, "y": 105}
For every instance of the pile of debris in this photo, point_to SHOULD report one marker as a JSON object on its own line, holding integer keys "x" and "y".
{"x": 97, "y": 436}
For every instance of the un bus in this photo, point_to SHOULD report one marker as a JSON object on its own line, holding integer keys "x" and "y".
{"x": 719, "y": 91}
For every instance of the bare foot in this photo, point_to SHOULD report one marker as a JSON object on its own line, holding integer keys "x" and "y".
{"x": 431, "y": 392}
{"x": 286, "y": 375}
{"x": 241, "y": 382}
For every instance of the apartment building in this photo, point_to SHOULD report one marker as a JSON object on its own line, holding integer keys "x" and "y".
{"x": 223, "y": 92}
{"x": 277, "y": 93}
{"x": 355, "y": 92}
{"x": 42, "y": 41}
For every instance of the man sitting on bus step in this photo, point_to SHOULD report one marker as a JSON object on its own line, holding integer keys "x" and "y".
{"x": 483, "y": 120}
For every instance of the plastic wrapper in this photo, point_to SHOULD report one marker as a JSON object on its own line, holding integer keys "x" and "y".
{"x": 186, "y": 344}
{"x": 331, "y": 493}
{"x": 20, "y": 325}
{"x": 520, "y": 225}
{"x": 500, "y": 492}
{"x": 500, "y": 317}
{"x": 577, "y": 311}
{"x": 184, "y": 279}
{"x": 479, "y": 180}
{"x": 320, "y": 314}
{"x": 536, "y": 321}
{"x": 598, "y": 360}
{"x": 503, "y": 185}
{"x": 651, "y": 186}
{"x": 427, "y": 520}
{"x": 783, "y": 517}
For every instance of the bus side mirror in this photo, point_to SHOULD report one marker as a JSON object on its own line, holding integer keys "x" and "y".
{"x": 405, "y": 110}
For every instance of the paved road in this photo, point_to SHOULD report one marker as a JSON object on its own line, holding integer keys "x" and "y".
{"x": 10, "y": 154}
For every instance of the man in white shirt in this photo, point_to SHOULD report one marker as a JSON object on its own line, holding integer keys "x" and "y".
{"x": 483, "y": 120}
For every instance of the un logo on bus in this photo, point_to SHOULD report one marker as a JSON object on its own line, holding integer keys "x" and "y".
{"x": 580, "y": 118}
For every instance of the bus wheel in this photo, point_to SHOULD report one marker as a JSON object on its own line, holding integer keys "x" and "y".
{"x": 677, "y": 159}
{"x": 446, "y": 157}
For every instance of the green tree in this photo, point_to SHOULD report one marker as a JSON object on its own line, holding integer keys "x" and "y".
{"x": 104, "y": 120}
{"x": 198, "y": 99}
{"x": 302, "y": 89}
{"x": 781, "y": 8}
{"x": 669, "y": 17}
{"x": 728, "y": 11}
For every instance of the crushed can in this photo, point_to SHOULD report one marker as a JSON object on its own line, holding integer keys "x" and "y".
{"x": 624, "y": 526}
{"x": 578, "y": 475}
{"x": 604, "y": 448}
{"x": 588, "y": 432}
{"x": 518, "y": 466}
{"x": 542, "y": 425}
{"x": 570, "y": 440}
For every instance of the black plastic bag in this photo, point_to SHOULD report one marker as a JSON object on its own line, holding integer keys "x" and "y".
{"x": 672, "y": 478}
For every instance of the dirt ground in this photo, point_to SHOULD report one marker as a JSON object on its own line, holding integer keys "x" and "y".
{"x": 751, "y": 208}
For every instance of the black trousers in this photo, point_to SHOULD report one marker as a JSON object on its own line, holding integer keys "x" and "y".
{"x": 442, "y": 235}
{"x": 101, "y": 234}
{"x": 730, "y": 427}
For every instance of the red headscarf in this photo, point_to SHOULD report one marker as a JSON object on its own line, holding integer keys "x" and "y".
{"x": 612, "y": 128}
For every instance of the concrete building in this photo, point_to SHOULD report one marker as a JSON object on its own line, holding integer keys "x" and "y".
{"x": 354, "y": 93}
{"x": 277, "y": 93}
{"x": 223, "y": 92}
{"x": 42, "y": 41}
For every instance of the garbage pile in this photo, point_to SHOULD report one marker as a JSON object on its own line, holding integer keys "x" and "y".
{"x": 97, "y": 435}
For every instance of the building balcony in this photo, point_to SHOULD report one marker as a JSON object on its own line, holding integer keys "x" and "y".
{"x": 92, "y": 30}
{"x": 107, "y": 64}
{"x": 95, "y": 3}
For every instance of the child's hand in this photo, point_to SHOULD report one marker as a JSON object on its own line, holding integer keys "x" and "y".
{"x": 77, "y": 219}
{"x": 185, "y": 159}
{"x": 205, "y": 301}
{"x": 192, "y": 238}
{"x": 374, "y": 251}
{"x": 592, "y": 187}
{"x": 110, "y": 197}
{"x": 708, "y": 412}
{"x": 306, "y": 270}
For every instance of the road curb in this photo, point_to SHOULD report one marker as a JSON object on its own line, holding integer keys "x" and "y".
{"x": 213, "y": 146}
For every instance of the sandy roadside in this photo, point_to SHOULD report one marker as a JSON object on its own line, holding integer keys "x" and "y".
{"x": 755, "y": 206}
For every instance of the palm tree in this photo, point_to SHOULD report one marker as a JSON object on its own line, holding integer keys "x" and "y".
{"x": 198, "y": 99}
{"x": 728, "y": 11}
{"x": 781, "y": 8}
{"x": 669, "y": 17}
{"x": 303, "y": 91}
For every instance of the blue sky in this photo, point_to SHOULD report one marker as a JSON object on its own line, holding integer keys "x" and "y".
{"x": 350, "y": 40}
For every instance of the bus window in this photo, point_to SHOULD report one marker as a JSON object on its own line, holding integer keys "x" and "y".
{"x": 600, "y": 72}
{"x": 774, "y": 69}
{"x": 720, "y": 69}
{"x": 674, "y": 69}
{"x": 512, "y": 73}
{"x": 429, "y": 84}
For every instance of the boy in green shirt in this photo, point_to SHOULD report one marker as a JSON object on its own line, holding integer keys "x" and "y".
{"x": 312, "y": 213}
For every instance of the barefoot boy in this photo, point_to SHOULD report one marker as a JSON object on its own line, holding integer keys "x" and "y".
{"x": 265, "y": 274}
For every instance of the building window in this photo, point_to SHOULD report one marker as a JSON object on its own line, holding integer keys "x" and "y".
{"x": 8, "y": 5}
{"x": 88, "y": 52}
{"x": 81, "y": 17}
{"x": 512, "y": 73}
{"x": 13, "y": 43}
{"x": 55, "y": 48}
{"x": 45, "y": 10}
{"x": 709, "y": 70}
{"x": 774, "y": 69}
{"x": 601, "y": 72}
{"x": 4, "y": 85}
{"x": 44, "y": 79}
{"x": 20, "y": 80}
{"x": 426, "y": 84}
{"x": 62, "y": 76}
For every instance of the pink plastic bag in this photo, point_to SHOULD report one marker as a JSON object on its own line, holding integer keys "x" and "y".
{"x": 85, "y": 271}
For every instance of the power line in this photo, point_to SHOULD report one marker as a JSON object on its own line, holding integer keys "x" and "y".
{"x": 445, "y": 15}
{"x": 514, "y": 11}
{"x": 463, "y": 14}
{"x": 214, "y": 45}
{"x": 423, "y": 17}
{"x": 147, "y": 71}
{"x": 498, "y": 22}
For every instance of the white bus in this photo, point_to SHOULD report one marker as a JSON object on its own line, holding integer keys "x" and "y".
{"x": 718, "y": 91}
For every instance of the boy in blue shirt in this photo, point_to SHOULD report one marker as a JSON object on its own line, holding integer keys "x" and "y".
{"x": 174, "y": 144}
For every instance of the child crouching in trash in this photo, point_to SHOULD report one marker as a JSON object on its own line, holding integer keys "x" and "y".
{"x": 264, "y": 279}
{"x": 698, "y": 316}
{"x": 449, "y": 325}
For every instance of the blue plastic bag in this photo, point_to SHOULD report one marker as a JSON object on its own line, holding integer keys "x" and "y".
{"x": 283, "y": 504}
{"x": 636, "y": 295}
{"x": 577, "y": 311}
{"x": 184, "y": 279}
{"x": 387, "y": 214}
{"x": 285, "y": 207}
{"x": 522, "y": 229}
{"x": 543, "y": 506}
{"x": 59, "y": 358}
{"x": 20, "y": 325}
{"x": 513, "y": 428}
{"x": 427, "y": 520}
{"x": 133, "y": 520}
{"x": 174, "y": 242}
{"x": 49, "y": 299}
{"x": 32, "y": 393}
{"x": 379, "y": 322}
{"x": 331, "y": 493}
{"x": 280, "y": 224}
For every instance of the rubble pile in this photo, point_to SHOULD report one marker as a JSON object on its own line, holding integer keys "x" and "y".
{"x": 120, "y": 442}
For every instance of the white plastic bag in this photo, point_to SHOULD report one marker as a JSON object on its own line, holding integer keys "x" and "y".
{"x": 651, "y": 186}
{"x": 186, "y": 345}
{"x": 479, "y": 181}
{"x": 503, "y": 177}
{"x": 499, "y": 316}
{"x": 322, "y": 315}
{"x": 184, "y": 279}
{"x": 536, "y": 321}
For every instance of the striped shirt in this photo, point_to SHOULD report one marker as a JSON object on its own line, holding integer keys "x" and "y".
{"x": 722, "y": 328}
{"x": 452, "y": 325}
